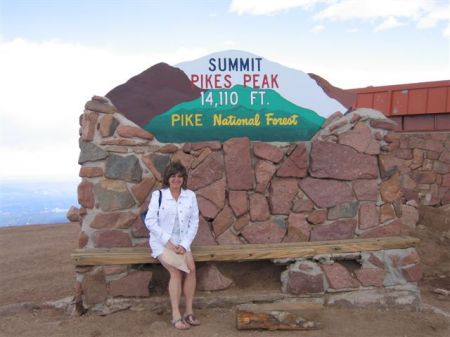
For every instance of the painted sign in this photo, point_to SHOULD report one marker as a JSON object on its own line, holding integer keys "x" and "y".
{"x": 237, "y": 94}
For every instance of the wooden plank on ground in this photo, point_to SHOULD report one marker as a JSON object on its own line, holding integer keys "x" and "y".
{"x": 137, "y": 255}
{"x": 279, "y": 316}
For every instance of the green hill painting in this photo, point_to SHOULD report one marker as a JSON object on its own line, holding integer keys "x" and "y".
{"x": 220, "y": 114}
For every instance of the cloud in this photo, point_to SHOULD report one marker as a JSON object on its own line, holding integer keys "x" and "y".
{"x": 229, "y": 44}
{"x": 267, "y": 7}
{"x": 44, "y": 86}
{"x": 352, "y": 30}
{"x": 447, "y": 31}
{"x": 389, "y": 23}
{"x": 384, "y": 14}
{"x": 423, "y": 13}
{"x": 317, "y": 29}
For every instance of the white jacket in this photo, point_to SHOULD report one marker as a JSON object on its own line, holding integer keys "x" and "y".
{"x": 161, "y": 219}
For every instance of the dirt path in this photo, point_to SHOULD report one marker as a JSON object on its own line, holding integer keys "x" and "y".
{"x": 35, "y": 267}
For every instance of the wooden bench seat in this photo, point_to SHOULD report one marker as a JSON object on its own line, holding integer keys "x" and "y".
{"x": 138, "y": 255}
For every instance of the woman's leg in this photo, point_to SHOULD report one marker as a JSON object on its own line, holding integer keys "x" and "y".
{"x": 175, "y": 283}
{"x": 190, "y": 281}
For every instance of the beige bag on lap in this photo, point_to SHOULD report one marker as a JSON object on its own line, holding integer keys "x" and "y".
{"x": 175, "y": 260}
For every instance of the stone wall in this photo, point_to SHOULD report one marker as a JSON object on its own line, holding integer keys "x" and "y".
{"x": 348, "y": 182}
{"x": 421, "y": 162}
{"x": 384, "y": 278}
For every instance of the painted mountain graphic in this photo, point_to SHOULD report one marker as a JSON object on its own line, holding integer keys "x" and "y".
{"x": 152, "y": 92}
{"x": 236, "y": 112}
{"x": 293, "y": 84}
{"x": 224, "y": 91}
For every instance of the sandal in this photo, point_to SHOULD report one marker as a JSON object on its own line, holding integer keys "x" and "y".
{"x": 182, "y": 326}
{"x": 191, "y": 320}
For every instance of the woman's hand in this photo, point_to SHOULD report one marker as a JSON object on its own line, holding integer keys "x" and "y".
{"x": 177, "y": 249}
{"x": 171, "y": 246}
{"x": 180, "y": 249}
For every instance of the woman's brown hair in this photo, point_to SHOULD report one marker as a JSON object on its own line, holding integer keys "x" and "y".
{"x": 174, "y": 168}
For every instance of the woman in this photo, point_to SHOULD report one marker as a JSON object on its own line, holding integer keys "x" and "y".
{"x": 173, "y": 222}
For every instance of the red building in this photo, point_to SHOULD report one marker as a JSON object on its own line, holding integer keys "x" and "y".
{"x": 414, "y": 106}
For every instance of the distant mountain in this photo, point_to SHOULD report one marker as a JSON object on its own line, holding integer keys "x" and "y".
{"x": 215, "y": 121}
{"x": 152, "y": 92}
{"x": 36, "y": 201}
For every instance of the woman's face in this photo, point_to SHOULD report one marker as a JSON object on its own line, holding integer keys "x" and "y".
{"x": 176, "y": 181}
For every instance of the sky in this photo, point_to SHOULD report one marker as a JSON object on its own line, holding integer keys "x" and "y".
{"x": 55, "y": 55}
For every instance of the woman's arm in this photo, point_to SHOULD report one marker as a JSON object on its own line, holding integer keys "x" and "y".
{"x": 151, "y": 220}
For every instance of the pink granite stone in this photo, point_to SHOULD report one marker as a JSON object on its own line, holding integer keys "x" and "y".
{"x": 83, "y": 239}
{"x": 394, "y": 228}
{"x": 385, "y": 124}
{"x": 90, "y": 172}
{"x": 307, "y": 279}
{"x": 134, "y": 284}
{"x": 389, "y": 165}
{"x": 390, "y": 189}
{"x": 201, "y": 157}
{"x": 329, "y": 160}
{"x": 386, "y": 213}
{"x": 264, "y": 172}
{"x": 268, "y": 152}
{"x": 259, "y": 208}
{"x": 366, "y": 190}
{"x": 73, "y": 214}
{"x": 113, "y": 220}
{"x": 446, "y": 180}
{"x": 426, "y": 144}
{"x": 207, "y": 208}
{"x": 302, "y": 205}
{"x": 207, "y": 172}
{"x": 339, "y": 277}
{"x": 296, "y": 165}
{"x": 411, "y": 258}
{"x": 370, "y": 277}
{"x": 209, "y": 278}
{"x": 141, "y": 191}
{"x": 326, "y": 193}
{"x": 338, "y": 230}
{"x": 238, "y": 202}
{"x": 213, "y": 145}
{"x": 241, "y": 222}
{"x": 94, "y": 286}
{"x": 298, "y": 228}
{"x": 214, "y": 193}
{"x": 413, "y": 273}
{"x": 133, "y": 131}
{"x": 204, "y": 235}
{"x": 360, "y": 138}
{"x": 183, "y": 158}
{"x": 282, "y": 194}
{"x": 138, "y": 229}
{"x": 368, "y": 216}
{"x": 111, "y": 239}
{"x": 263, "y": 232}
{"x": 228, "y": 238}
{"x": 88, "y": 125}
{"x": 168, "y": 148}
{"x": 86, "y": 194}
{"x": 318, "y": 216}
{"x": 223, "y": 220}
{"x": 445, "y": 157}
{"x": 238, "y": 165}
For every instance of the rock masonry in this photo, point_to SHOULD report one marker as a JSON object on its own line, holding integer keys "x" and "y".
{"x": 355, "y": 179}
